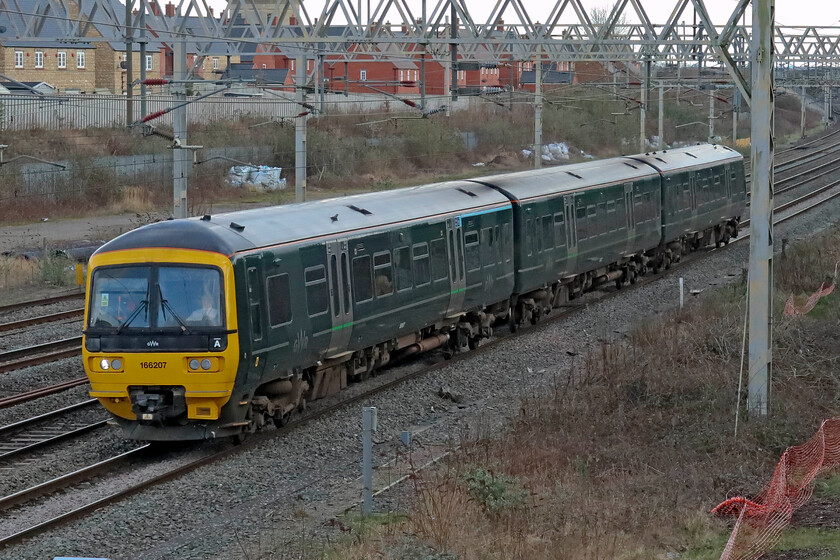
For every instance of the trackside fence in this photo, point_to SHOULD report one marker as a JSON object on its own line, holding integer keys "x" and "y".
{"x": 55, "y": 112}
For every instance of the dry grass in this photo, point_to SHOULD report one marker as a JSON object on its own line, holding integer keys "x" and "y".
{"x": 628, "y": 451}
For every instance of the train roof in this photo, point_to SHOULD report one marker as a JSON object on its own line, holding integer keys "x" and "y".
{"x": 690, "y": 156}
{"x": 523, "y": 185}
{"x": 244, "y": 230}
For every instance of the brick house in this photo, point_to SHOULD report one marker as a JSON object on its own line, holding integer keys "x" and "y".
{"x": 66, "y": 67}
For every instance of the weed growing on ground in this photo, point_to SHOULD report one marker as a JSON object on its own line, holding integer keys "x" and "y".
{"x": 56, "y": 269}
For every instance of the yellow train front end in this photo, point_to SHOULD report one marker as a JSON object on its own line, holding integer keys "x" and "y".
{"x": 160, "y": 345}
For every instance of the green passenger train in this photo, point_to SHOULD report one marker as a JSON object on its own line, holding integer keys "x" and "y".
{"x": 214, "y": 326}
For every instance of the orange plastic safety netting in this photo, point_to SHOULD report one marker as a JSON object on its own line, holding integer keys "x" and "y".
{"x": 762, "y": 519}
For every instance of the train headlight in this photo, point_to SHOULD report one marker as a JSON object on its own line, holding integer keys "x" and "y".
{"x": 194, "y": 364}
{"x": 116, "y": 363}
{"x": 206, "y": 364}
{"x": 105, "y": 364}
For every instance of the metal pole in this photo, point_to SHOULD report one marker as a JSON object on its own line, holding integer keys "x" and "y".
{"x": 761, "y": 211}
{"x": 321, "y": 81}
{"x": 129, "y": 66}
{"x": 453, "y": 50}
{"x": 346, "y": 78}
{"x": 180, "y": 156}
{"x": 300, "y": 132}
{"x": 802, "y": 116}
{"x": 825, "y": 105}
{"x": 736, "y": 109}
{"x": 538, "y": 107}
{"x": 368, "y": 427}
{"x": 142, "y": 41}
{"x": 447, "y": 83}
{"x": 712, "y": 115}
{"x": 643, "y": 108}
{"x": 615, "y": 84}
{"x": 423, "y": 79}
{"x": 661, "y": 144}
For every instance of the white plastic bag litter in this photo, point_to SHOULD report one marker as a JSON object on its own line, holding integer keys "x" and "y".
{"x": 256, "y": 177}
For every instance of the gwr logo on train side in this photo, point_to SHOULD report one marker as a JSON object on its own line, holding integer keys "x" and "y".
{"x": 153, "y": 344}
{"x": 301, "y": 341}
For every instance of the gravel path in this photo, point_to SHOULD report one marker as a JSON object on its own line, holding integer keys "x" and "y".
{"x": 311, "y": 473}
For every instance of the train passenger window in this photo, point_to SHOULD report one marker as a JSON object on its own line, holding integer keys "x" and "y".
{"x": 472, "y": 251}
{"x": 580, "y": 214}
{"x": 254, "y": 307}
{"x": 487, "y": 247}
{"x": 317, "y": 296}
{"x": 506, "y": 238}
{"x": 279, "y": 300}
{"x": 547, "y": 234}
{"x": 461, "y": 249}
{"x": 559, "y": 229}
{"x": 336, "y": 297}
{"x": 362, "y": 279}
{"x": 345, "y": 282}
{"x": 438, "y": 248}
{"x": 497, "y": 245}
{"x": 453, "y": 252}
{"x": 529, "y": 236}
{"x": 422, "y": 273}
{"x": 402, "y": 263}
{"x": 383, "y": 277}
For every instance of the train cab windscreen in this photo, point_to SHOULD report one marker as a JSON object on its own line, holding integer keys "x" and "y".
{"x": 156, "y": 297}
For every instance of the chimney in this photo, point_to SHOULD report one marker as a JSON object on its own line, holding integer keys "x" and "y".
{"x": 155, "y": 8}
{"x": 170, "y": 9}
{"x": 211, "y": 12}
{"x": 274, "y": 20}
{"x": 292, "y": 20}
{"x": 500, "y": 24}
{"x": 404, "y": 28}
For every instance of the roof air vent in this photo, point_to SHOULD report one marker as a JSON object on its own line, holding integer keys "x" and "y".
{"x": 630, "y": 164}
{"x": 205, "y": 218}
{"x": 465, "y": 191}
{"x": 359, "y": 210}
{"x": 690, "y": 154}
{"x": 237, "y": 227}
{"x": 575, "y": 175}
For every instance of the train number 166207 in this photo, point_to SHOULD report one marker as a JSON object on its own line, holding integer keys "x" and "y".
{"x": 152, "y": 365}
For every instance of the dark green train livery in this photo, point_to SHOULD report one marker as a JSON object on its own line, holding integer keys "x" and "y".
{"x": 307, "y": 297}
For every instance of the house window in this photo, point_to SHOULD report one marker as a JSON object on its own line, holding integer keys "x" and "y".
{"x": 402, "y": 75}
{"x": 39, "y": 59}
{"x": 215, "y": 63}
{"x": 124, "y": 58}
{"x": 263, "y": 65}
{"x": 292, "y": 65}
{"x": 80, "y": 59}
{"x": 18, "y": 59}
{"x": 149, "y": 62}
{"x": 62, "y": 59}
{"x": 363, "y": 75}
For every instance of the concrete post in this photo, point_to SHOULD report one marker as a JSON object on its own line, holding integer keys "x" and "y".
{"x": 661, "y": 144}
{"x": 825, "y": 105}
{"x": 736, "y": 109}
{"x": 300, "y": 131}
{"x": 453, "y": 50}
{"x": 321, "y": 82}
{"x": 180, "y": 156}
{"x": 346, "y": 78}
{"x": 761, "y": 211}
{"x": 423, "y": 79}
{"x": 369, "y": 421}
{"x": 538, "y": 107}
{"x": 643, "y": 108}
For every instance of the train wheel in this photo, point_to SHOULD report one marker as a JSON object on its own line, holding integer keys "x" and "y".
{"x": 281, "y": 420}
{"x": 513, "y": 326}
{"x": 619, "y": 283}
{"x": 240, "y": 438}
{"x": 301, "y": 407}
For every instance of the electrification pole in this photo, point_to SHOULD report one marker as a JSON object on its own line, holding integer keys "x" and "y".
{"x": 180, "y": 155}
{"x": 661, "y": 144}
{"x": 538, "y": 107}
{"x": 802, "y": 116}
{"x": 129, "y": 66}
{"x": 643, "y": 108}
{"x": 453, "y": 49}
{"x": 761, "y": 210}
{"x": 712, "y": 115}
{"x": 300, "y": 131}
{"x": 142, "y": 42}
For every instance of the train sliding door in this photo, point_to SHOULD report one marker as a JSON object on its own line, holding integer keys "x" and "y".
{"x": 457, "y": 274}
{"x": 341, "y": 307}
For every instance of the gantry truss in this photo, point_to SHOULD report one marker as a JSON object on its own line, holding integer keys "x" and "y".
{"x": 394, "y": 28}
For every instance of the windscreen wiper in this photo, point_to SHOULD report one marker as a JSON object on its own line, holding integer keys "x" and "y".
{"x": 164, "y": 305}
{"x": 143, "y": 305}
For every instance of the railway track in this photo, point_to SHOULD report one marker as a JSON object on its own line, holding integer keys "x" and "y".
{"x": 39, "y": 302}
{"x": 39, "y": 431}
{"x": 40, "y": 354}
{"x": 43, "y": 319}
{"x": 86, "y": 474}
{"x": 41, "y": 392}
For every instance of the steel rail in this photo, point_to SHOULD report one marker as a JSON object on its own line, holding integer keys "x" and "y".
{"x": 46, "y": 416}
{"x": 46, "y": 301}
{"x": 43, "y": 319}
{"x": 40, "y": 354}
{"x": 42, "y": 392}
{"x": 266, "y": 436}
{"x": 76, "y": 431}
